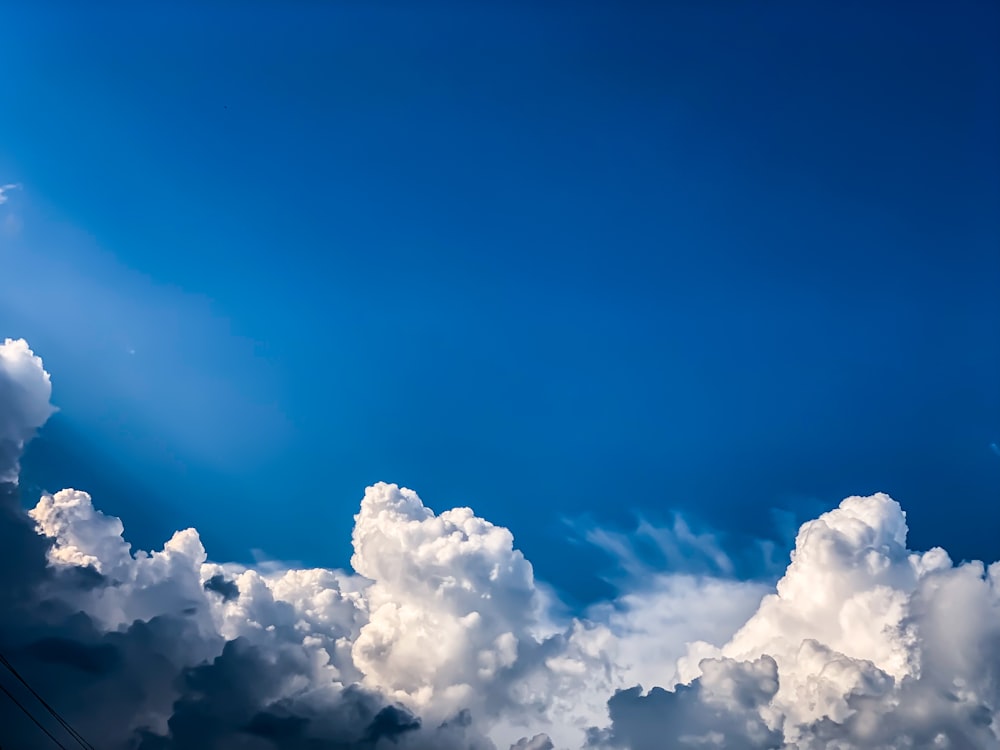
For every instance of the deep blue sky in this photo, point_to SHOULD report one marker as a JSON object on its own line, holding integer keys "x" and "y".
{"x": 548, "y": 259}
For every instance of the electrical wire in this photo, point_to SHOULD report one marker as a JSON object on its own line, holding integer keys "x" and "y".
{"x": 28, "y": 713}
{"x": 55, "y": 714}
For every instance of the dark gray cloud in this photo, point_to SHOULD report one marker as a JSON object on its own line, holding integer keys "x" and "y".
{"x": 721, "y": 709}
{"x": 234, "y": 702}
{"x": 222, "y": 586}
{"x": 538, "y": 742}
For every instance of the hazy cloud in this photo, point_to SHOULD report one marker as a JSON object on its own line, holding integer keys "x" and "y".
{"x": 5, "y": 189}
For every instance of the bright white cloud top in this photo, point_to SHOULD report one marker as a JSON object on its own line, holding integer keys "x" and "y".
{"x": 440, "y": 636}
{"x": 25, "y": 390}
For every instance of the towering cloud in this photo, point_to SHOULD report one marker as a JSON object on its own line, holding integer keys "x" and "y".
{"x": 450, "y": 602}
{"x": 440, "y": 638}
{"x": 25, "y": 391}
{"x": 864, "y": 644}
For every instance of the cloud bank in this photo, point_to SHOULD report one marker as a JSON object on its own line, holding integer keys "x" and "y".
{"x": 439, "y": 637}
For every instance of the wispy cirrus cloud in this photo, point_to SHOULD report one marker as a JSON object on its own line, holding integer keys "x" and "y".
{"x": 6, "y": 189}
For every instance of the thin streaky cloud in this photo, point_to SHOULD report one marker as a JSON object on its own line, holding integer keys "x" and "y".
{"x": 4, "y": 189}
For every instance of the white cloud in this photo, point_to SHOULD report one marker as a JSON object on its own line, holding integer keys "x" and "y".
{"x": 441, "y": 638}
{"x": 442, "y": 620}
{"x": 25, "y": 390}
{"x": 5, "y": 189}
{"x": 874, "y": 646}
{"x": 450, "y": 602}
{"x": 679, "y": 549}
{"x": 655, "y": 621}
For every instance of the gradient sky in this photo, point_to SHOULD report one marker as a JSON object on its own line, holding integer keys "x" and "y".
{"x": 557, "y": 261}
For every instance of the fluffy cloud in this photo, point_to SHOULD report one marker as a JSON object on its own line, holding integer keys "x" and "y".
{"x": 442, "y": 625}
{"x": 440, "y": 637}
{"x": 870, "y": 645}
{"x": 165, "y": 650}
{"x": 25, "y": 390}
{"x": 450, "y": 602}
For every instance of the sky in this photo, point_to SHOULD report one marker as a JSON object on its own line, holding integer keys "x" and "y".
{"x": 662, "y": 290}
{"x": 523, "y": 256}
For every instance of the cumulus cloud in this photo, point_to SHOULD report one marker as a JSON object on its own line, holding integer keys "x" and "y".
{"x": 439, "y": 621}
{"x": 439, "y": 637}
{"x": 25, "y": 390}
{"x": 432, "y": 641}
{"x": 871, "y": 646}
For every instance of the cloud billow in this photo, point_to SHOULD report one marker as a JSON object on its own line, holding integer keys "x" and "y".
{"x": 25, "y": 390}
{"x": 440, "y": 637}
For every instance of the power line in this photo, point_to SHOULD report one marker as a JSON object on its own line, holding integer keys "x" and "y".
{"x": 30, "y": 716}
{"x": 55, "y": 714}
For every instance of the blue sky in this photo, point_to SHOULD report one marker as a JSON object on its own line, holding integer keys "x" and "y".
{"x": 555, "y": 261}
